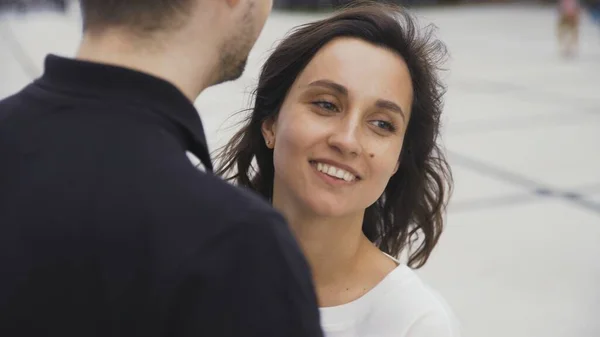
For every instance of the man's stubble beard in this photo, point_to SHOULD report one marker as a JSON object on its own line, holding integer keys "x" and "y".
{"x": 235, "y": 51}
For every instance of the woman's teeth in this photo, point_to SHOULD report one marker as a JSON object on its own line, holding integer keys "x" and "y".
{"x": 335, "y": 172}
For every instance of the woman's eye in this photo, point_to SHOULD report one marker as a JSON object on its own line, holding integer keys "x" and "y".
{"x": 384, "y": 125}
{"x": 326, "y": 105}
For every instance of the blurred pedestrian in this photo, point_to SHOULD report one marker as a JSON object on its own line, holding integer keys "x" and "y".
{"x": 568, "y": 26}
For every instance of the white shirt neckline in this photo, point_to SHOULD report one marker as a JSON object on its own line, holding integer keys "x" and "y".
{"x": 340, "y": 316}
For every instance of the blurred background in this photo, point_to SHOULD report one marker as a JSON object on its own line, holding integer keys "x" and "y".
{"x": 520, "y": 256}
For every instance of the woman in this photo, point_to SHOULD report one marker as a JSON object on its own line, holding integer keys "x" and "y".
{"x": 343, "y": 132}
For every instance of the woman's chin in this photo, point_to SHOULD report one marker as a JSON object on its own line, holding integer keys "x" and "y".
{"x": 330, "y": 208}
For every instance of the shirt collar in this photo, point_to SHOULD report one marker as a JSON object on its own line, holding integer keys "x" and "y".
{"x": 120, "y": 83}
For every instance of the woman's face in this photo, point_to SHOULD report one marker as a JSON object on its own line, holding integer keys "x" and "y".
{"x": 339, "y": 133}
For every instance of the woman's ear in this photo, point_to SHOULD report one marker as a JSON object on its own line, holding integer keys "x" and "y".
{"x": 268, "y": 128}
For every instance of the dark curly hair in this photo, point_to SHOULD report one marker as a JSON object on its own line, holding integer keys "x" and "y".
{"x": 410, "y": 211}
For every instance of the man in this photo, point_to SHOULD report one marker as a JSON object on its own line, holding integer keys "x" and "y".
{"x": 106, "y": 227}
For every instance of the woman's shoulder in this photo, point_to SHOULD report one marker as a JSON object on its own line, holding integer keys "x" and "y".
{"x": 413, "y": 309}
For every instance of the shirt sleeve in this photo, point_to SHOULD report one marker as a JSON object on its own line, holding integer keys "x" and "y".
{"x": 258, "y": 284}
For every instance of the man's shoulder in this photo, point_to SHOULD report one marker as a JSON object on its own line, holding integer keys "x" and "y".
{"x": 232, "y": 220}
{"x": 239, "y": 205}
{"x": 205, "y": 197}
{"x": 12, "y": 104}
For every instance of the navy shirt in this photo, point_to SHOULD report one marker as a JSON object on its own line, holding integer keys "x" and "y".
{"x": 108, "y": 229}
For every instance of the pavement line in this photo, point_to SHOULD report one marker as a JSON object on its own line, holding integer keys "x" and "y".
{"x": 491, "y": 202}
{"x": 533, "y": 187}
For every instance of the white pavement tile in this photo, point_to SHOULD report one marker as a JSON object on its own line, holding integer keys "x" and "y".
{"x": 556, "y": 156}
{"x": 472, "y": 186}
{"x": 524, "y": 271}
{"x": 44, "y": 32}
{"x": 595, "y": 198}
{"x": 468, "y": 111}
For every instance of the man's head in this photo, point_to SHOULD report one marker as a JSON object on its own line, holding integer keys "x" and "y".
{"x": 229, "y": 26}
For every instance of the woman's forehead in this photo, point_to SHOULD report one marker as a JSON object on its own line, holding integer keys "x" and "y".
{"x": 361, "y": 68}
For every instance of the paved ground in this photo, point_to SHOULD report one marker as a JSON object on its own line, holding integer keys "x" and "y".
{"x": 521, "y": 254}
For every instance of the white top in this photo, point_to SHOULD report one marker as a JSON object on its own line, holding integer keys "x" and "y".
{"x": 401, "y": 305}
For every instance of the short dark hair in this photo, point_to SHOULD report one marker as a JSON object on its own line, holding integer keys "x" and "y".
{"x": 141, "y": 16}
{"x": 415, "y": 198}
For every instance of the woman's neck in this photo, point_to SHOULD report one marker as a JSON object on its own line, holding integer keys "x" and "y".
{"x": 333, "y": 246}
{"x": 344, "y": 263}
